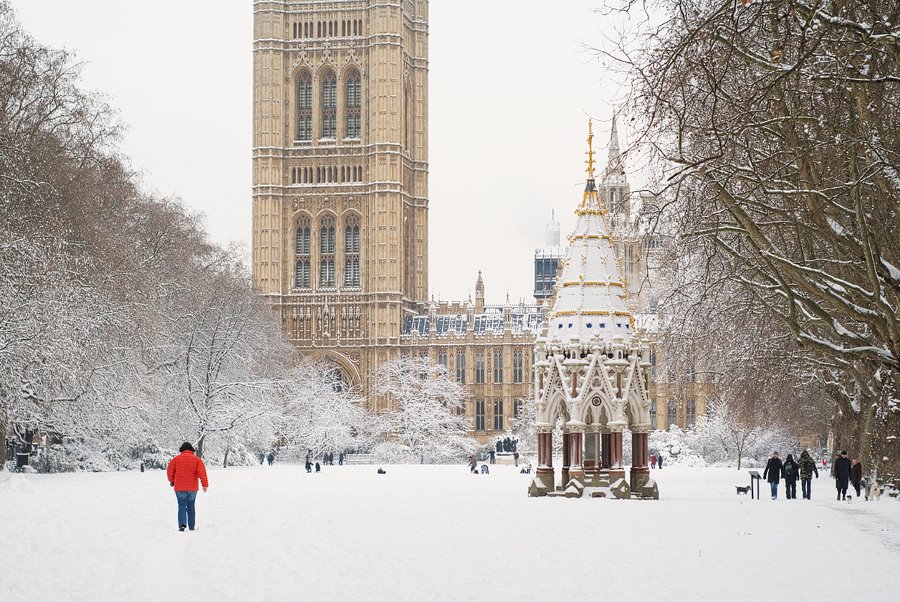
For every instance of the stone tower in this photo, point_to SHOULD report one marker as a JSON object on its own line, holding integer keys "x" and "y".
{"x": 340, "y": 174}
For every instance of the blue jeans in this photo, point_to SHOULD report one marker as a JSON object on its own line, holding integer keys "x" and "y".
{"x": 774, "y": 486}
{"x": 806, "y": 486}
{"x": 186, "y": 512}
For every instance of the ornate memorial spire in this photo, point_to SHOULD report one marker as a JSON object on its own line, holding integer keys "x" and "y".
{"x": 591, "y": 301}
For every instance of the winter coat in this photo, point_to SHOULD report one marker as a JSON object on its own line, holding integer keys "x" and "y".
{"x": 184, "y": 470}
{"x": 807, "y": 467}
{"x": 790, "y": 474}
{"x": 772, "y": 473}
{"x": 842, "y": 469}
{"x": 856, "y": 474}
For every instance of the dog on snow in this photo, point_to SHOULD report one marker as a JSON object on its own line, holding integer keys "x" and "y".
{"x": 742, "y": 490}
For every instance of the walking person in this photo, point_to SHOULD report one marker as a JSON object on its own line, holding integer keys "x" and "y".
{"x": 856, "y": 475}
{"x": 773, "y": 473}
{"x": 842, "y": 475}
{"x": 652, "y": 460}
{"x": 473, "y": 464}
{"x": 341, "y": 459}
{"x": 659, "y": 460}
{"x": 807, "y": 469}
{"x": 184, "y": 471}
{"x": 791, "y": 471}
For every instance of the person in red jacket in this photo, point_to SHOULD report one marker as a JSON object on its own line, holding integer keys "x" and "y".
{"x": 183, "y": 472}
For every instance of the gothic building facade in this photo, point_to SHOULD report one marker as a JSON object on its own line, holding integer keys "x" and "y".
{"x": 340, "y": 174}
{"x": 340, "y": 207}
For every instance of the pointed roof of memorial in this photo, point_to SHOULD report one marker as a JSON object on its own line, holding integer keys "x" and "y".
{"x": 592, "y": 298}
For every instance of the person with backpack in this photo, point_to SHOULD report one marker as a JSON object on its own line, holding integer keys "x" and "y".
{"x": 791, "y": 471}
{"x": 841, "y": 468}
{"x": 773, "y": 473}
{"x": 183, "y": 472}
{"x": 807, "y": 469}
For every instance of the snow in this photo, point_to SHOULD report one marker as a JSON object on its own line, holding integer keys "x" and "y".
{"x": 434, "y": 532}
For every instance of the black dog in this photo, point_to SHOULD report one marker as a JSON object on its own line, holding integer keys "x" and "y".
{"x": 742, "y": 490}
{"x": 381, "y": 471}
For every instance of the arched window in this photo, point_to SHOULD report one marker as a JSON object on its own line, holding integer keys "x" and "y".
{"x": 351, "y": 252}
{"x": 301, "y": 276}
{"x": 329, "y": 105}
{"x": 326, "y": 252}
{"x": 304, "y": 107}
{"x": 354, "y": 102}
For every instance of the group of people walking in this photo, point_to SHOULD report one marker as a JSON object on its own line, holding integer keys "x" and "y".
{"x": 845, "y": 472}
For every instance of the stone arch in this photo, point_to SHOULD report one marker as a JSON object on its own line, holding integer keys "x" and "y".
{"x": 348, "y": 369}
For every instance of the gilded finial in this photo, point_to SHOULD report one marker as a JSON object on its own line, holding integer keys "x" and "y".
{"x": 590, "y": 153}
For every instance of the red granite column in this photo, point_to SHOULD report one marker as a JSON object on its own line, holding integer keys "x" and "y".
{"x": 616, "y": 470}
{"x": 566, "y": 459}
{"x": 640, "y": 471}
{"x": 545, "y": 460}
{"x": 604, "y": 452}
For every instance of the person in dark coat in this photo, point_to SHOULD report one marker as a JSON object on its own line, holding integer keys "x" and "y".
{"x": 773, "y": 473}
{"x": 842, "y": 475}
{"x": 318, "y": 468}
{"x": 271, "y": 457}
{"x": 856, "y": 475}
{"x": 791, "y": 471}
{"x": 659, "y": 460}
{"x": 807, "y": 469}
{"x": 308, "y": 465}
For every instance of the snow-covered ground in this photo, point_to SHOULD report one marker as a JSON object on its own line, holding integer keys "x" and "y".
{"x": 435, "y": 533}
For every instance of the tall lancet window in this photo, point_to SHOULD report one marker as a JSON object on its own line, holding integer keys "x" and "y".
{"x": 354, "y": 102}
{"x": 612, "y": 200}
{"x": 304, "y": 107}
{"x": 351, "y": 252}
{"x": 301, "y": 275}
{"x": 326, "y": 252}
{"x": 329, "y": 105}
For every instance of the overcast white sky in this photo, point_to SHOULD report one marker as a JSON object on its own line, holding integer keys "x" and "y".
{"x": 511, "y": 90}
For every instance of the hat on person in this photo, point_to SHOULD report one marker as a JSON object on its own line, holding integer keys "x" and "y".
{"x": 186, "y": 447}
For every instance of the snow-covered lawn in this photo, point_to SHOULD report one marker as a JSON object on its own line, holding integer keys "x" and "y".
{"x": 435, "y": 533}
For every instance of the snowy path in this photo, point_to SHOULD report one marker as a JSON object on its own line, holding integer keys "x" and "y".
{"x": 435, "y": 533}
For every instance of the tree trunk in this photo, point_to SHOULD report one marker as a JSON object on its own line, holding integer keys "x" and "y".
{"x": 3, "y": 427}
{"x": 885, "y": 459}
{"x": 225, "y": 461}
{"x": 200, "y": 442}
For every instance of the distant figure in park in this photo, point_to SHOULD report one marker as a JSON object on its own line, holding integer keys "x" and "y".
{"x": 659, "y": 460}
{"x": 791, "y": 471}
{"x": 341, "y": 459}
{"x": 516, "y": 457}
{"x": 473, "y": 463}
{"x": 842, "y": 475}
{"x": 807, "y": 469}
{"x": 856, "y": 475}
{"x": 318, "y": 468}
{"x": 183, "y": 472}
{"x": 499, "y": 446}
{"x": 773, "y": 473}
{"x": 492, "y": 456}
{"x": 271, "y": 457}
{"x": 308, "y": 465}
{"x": 652, "y": 460}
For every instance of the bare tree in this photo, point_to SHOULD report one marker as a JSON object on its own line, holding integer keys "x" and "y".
{"x": 426, "y": 416}
{"x": 775, "y": 121}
